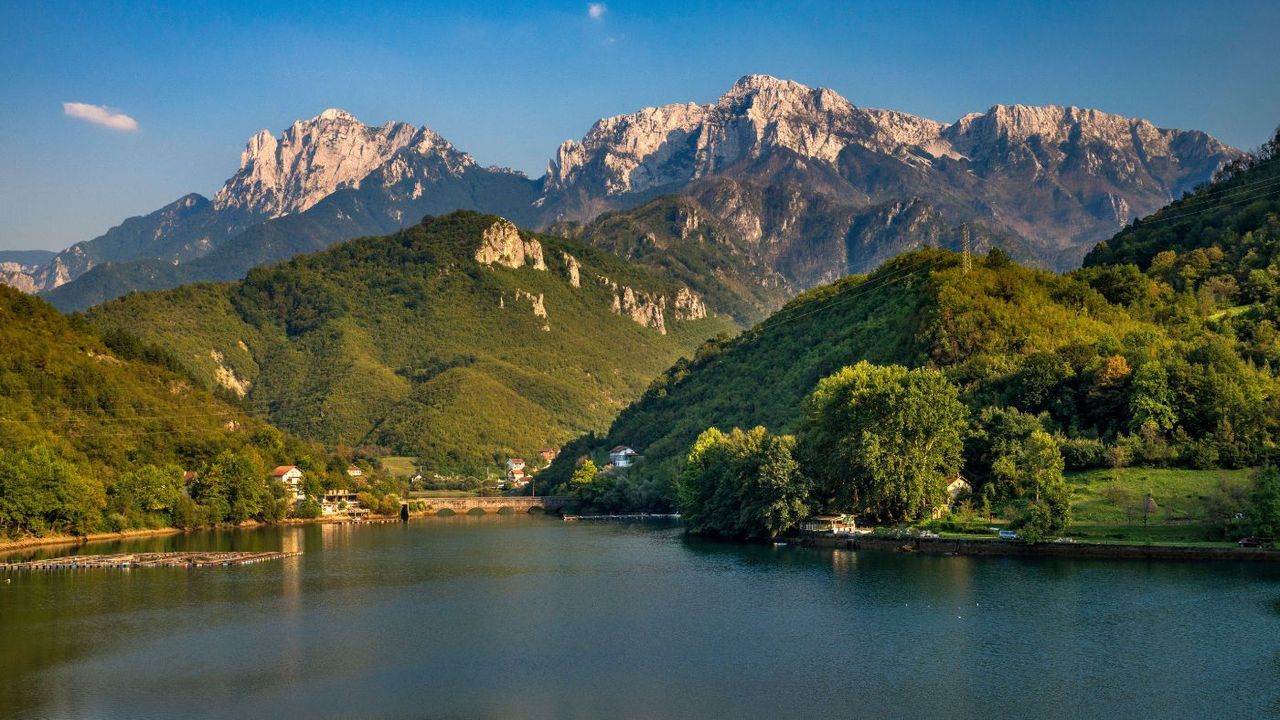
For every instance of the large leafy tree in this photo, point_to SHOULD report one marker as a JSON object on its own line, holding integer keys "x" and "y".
{"x": 1264, "y": 503}
{"x": 883, "y": 438}
{"x": 41, "y": 492}
{"x": 1151, "y": 402}
{"x": 1031, "y": 467}
{"x": 742, "y": 484}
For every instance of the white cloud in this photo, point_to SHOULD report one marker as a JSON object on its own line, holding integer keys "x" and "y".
{"x": 100, "y": 115}
{"x": 596, "y": 11}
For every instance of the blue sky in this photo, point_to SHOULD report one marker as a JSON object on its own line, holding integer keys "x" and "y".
{"x": 509, "y": 82}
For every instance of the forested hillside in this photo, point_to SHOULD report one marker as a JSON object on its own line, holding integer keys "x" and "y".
{"x": 1122, "y": 368}
{"x": 460, "y": 340}
{"x": 96, "y": 434}
{"x": 1236, "y": 213}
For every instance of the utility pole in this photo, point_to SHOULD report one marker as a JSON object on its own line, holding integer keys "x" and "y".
{"x": 965, "y": 248}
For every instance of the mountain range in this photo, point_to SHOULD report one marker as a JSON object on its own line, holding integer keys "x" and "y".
{"x": 796, "y": 184}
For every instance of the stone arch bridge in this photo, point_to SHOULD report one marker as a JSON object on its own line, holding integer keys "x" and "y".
{"x": 516, "y": 503}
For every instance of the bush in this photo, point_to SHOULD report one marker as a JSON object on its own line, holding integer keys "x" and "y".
{"x": 1084, "y": 453}
{"x": 307, "y": 509}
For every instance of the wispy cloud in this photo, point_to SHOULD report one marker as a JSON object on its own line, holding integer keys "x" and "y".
{"x": 596, "y": 11}
{"x": 100, "y": 115}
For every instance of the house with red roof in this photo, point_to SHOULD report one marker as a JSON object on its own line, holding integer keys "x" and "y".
{"x": 291, "y": 476}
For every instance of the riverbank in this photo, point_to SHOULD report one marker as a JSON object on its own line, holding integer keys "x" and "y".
{"x": 50, "y": 540}
{"x": 46, "y": 540}
{"x": 949, "y": 546}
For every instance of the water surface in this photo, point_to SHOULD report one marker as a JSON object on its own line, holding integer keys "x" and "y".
{"x": 502, "y": 617}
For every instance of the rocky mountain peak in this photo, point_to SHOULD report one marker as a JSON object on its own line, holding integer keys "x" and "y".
{"x": 289, "y": 173}
{"x": 752, "y": 86}
{"x": 335, "y": 114}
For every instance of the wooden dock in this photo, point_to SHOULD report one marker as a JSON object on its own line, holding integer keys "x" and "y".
{"x": 148, "y": 560}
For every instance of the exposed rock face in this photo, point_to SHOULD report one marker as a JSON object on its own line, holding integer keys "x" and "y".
{"x": 688, "y": 306}
{"x": 796, "y": 173}
{"x": 572, "y": 269}
{"x": 226, "y": 377}
{"x": 648, "y": 309}
{"x": 315, "y": 157}
{"x": 642, "y": 307}
{"x": 538, "y": 305}
{"x": 176, "y": 232}
{"x": 18, "y": 276}
{"x": 501, "y": 244}
{"x": 781, "y": 162}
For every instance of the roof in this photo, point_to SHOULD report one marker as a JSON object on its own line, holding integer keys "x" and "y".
{"x": 620, "y": 448}
{"x": 281, "y": 470}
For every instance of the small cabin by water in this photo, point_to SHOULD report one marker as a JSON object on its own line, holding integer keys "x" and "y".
{"x": 843, "y": 523}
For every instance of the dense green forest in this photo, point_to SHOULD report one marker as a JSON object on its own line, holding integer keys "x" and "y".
{"x": 1161, "y": 352}
{"x": 97, "y": 432}
{"x": 407, "y": 344}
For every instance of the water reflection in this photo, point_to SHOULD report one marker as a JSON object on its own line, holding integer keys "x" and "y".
{"x": 503, "y": 616}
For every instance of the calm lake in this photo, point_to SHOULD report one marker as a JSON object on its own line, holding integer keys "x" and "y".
{"x": 512, "y": 617}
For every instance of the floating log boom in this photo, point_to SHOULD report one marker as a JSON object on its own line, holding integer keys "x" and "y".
{"x": 142, "y": 560}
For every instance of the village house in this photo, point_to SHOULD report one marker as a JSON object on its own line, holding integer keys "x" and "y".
{"x": 515, "y": 471}
{"x": 353, "y": 471}
{"x": 291, "y": 476}
{"x": 548, "y": 454}
{"x": 622, "y": 456}
{"x": 956, "y": 487}
{"x": 339, "y": 502}
{"x": 835, "y": 523}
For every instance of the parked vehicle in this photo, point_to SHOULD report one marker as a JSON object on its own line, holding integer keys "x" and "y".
{"x": 1254, "y": 542}
{"x": 1008, "y": 535}
{"x": 929, "y": 535}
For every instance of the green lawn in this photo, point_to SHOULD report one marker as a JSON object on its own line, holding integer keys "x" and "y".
{"x": 1108, "y": 507}
{"x": 399, "y": 465}
{"x": 1115, "y": 497}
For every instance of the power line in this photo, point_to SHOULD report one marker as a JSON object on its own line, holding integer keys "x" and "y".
{"x": 1248, "y": 196}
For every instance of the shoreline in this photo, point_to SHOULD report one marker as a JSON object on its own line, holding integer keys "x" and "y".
{"x": 48, "y": 540}
{"x": 949, "y": 546}
{"x": 31, "y": 542}
{"x": 27, "y": 543}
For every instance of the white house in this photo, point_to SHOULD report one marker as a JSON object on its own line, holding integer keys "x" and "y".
{"x": 842, "y": 523}
{"x": 956, "y": 487}
{"x": 338, "y": 502}
{"x": 353, "y": 471}
{"x": 622, "y": 456}
{"x": 515, "y": 471}
{"x": 291, "y": 476}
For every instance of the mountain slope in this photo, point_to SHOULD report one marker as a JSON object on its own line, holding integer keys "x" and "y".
{"x": 395, "y": 173}
{"x": 95, "y": 434}
{"x": 812, "y": 186}
{"x": 804, "y": 163}
{"x": 1005, "y": 334}
{"x": 459, "y": 340}
{"x": 386, "y": 201}
{"x": 678, "y": 239}
{"x": 1243, "y": 202}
